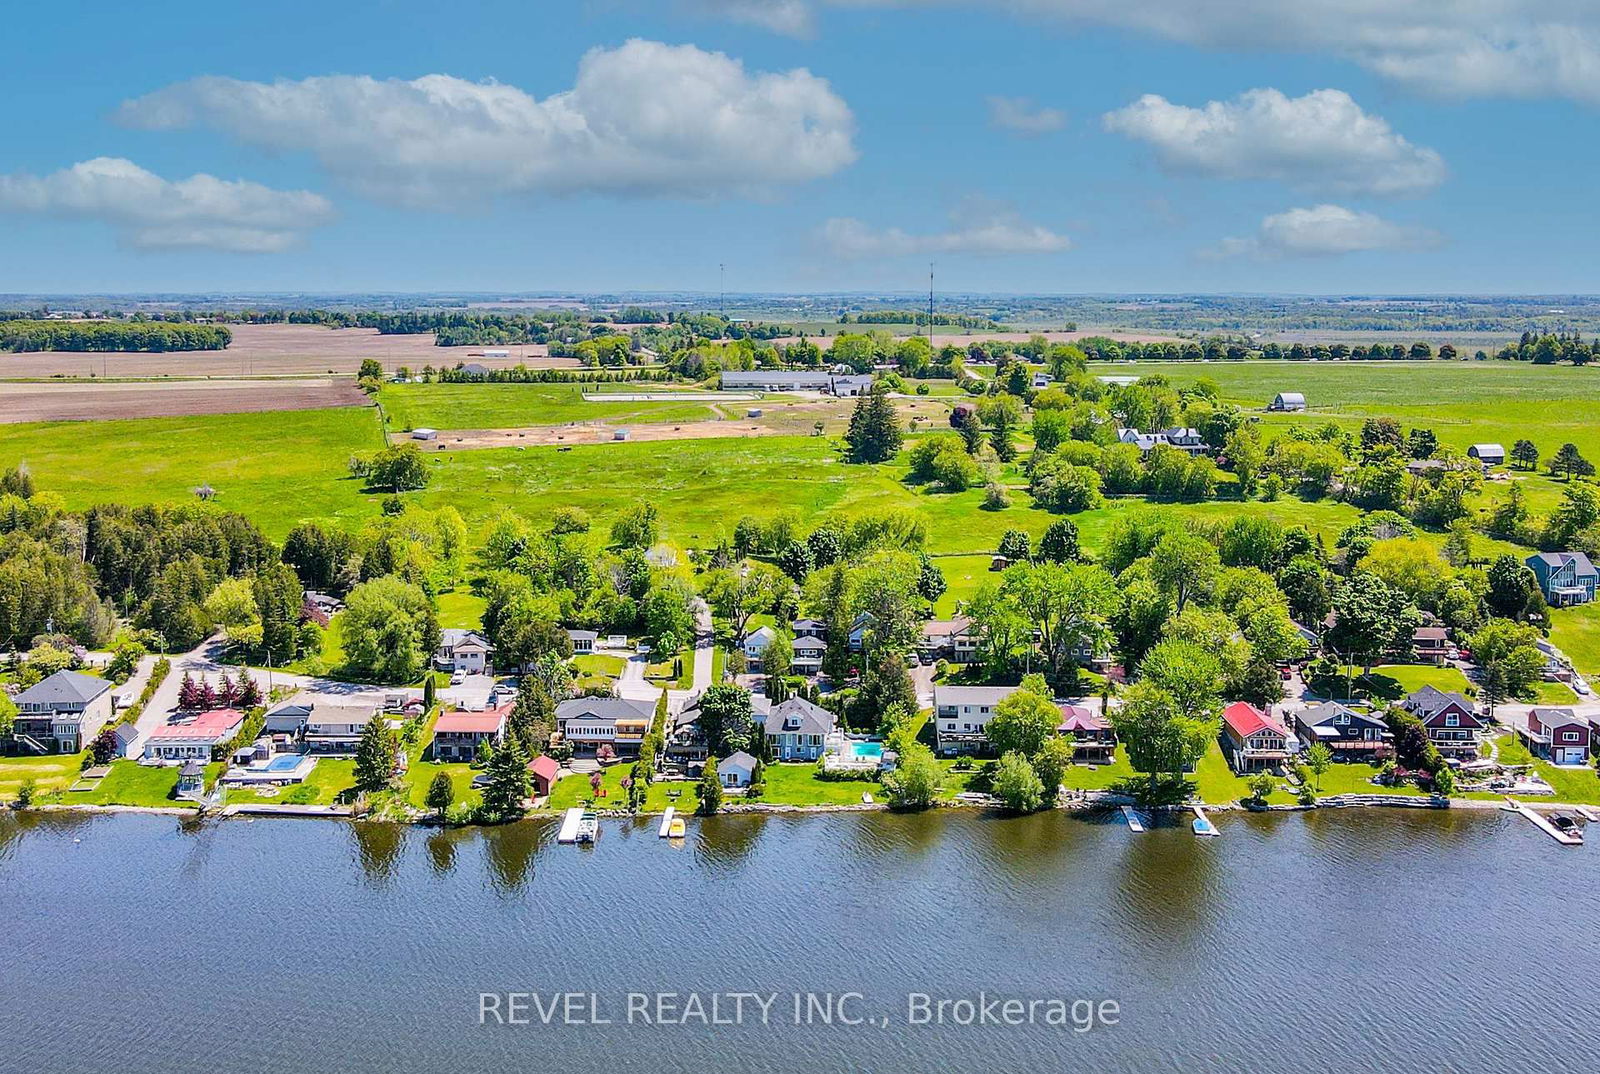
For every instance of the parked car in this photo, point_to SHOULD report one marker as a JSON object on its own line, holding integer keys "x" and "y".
{"x": 457, "y": 678}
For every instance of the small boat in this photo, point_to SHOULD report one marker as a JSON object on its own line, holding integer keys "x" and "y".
{"x": 678, "y": 829}
{"x": 1202, "y": 823}
{"x": 866, "y": 798}
{"x": 1567, "y": 824}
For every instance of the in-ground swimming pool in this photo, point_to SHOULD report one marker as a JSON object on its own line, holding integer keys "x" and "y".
{"x": 867, "y": 751}
{"x": 284, "y": 762}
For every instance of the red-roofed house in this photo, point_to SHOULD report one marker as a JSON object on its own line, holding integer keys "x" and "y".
{"x": 458, "y": 735}
{"x": 197, "y": 739}
{"x": 1253, "y": 739}
{"x": 1093, "y": 740}
{"x": 542, "y": 772}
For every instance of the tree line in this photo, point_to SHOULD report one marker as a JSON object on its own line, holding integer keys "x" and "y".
{"x": 145, "y": 336}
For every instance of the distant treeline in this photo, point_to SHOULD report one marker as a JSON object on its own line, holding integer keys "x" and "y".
{"x": 523, "y": 375}
{"x": 950, "y": 320}
{"x": 151, "y": 336}
{"x": 1540, "y": 350}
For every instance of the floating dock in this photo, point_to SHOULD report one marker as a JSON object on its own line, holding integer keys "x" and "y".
{"x": 1587, "y": 814}
{"x": 1566, "y": 837}
{"x": 1203, "y": 825}
{"x": 1134, "y": 823}
{"x": 666, "y": 822}
{"x": 578, "y": 826}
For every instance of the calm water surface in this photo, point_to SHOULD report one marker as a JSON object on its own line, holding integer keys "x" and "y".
{"x": 1343, "y": 941}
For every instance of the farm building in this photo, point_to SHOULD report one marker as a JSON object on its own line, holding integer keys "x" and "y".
{"x": 1288, "y": 401}
{"x": 424, "y": 434}
{"x": 1488, "y": 454}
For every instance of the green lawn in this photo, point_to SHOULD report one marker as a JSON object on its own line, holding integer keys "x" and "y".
{"x": 509, "y": 406}
{"x": 420, "y": 776}
{"x": 329, "y": 779}
{"x": 797, "y": 784}
{"x": 1576, "y": 632}
{"x": 462, "y": 608}
{"x": 1391, "y": 682}
{"x": 54, "y": 772}
{"x": 1355, "y": 779}
{"x": 574, "y": 791}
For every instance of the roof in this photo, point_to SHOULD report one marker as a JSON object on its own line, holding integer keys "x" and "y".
{"x": 776, "y": 376}
{"x": 1550, "y": 559}
{"x": 971, "y": 695}
{"x": 544, "y": 766}
{"x": 938, "y": 628}
{"x": 192, "y": 768}
{"x": 218, "y": 723}
{"x": 1553, "y": 718}
{"x": 488, "y": 722}
{"x": 1431, "y": 699}
{"x": 1082, "y": 718}
{"x": 1430, "y": 633}
{"x": 1486, "y": 449}
{"x": 1327, "y": 711}
{"x": 740, "y": 760}
{"x": 809, "y": 624}
{"x": 764, "y": 633}
{"x": 454, "y": 638}
{"x": 1245, "y": 720}
{"x": 1291, "y": 397}
{"x": 810, "y": 645}
{"x": 604, "y": 708}
{"x": 63, "y": 688}
{"x": 809, "y": 718}
{"x": 580, "y": 635}
{"x": 323, "y": 714}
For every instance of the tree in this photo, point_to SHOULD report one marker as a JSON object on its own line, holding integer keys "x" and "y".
{"x": 1412, "y": 747}
{"x": 1525, "y": 455}
{"x": 441, "y": 794}
{"x": 1184, "y": 566}
{"x": 710, "y": 789}
{"x": 370, "y": 367}
{"x": 1509, "y": 651}
{"x": 1060, "y": 542}
{"x": 1422, "y": 444}
{"x": 1014, "y": 546}
{"x": 874, "y": 432}
{"x": 506, "y": 781}
{"x": 1160, "y": 737}
{"x": 400, "y": 468}
{"x": 390, "y": 629}
{"x": 1262, "y": 784}
{"x": 1569, "y": 463}
{"x": 1319, "y": 758}
{"x": 886, "y": 687}
{"x": 1444, "y": 781}
{"x": 1513, "y": 590}
{"x": 637, "y": 527}
{"x": 1051, "y": 764}
{"x": 1071, "y": 608}
{"x": 1001, "y": 413}
{"x": 743, "y": 591}
{"x": 1245, "y": 457}
{"x": 727, "y": 719}
{"x": 777, "y": 659}
{"x": 1017, "y": 784}
{"x": 278, "y": 598}
{"x": 916, "y": 780}
{"x": 376, "y": 755}
{"x": 1371, "y": 617}
{"x": 1022, "y": 723}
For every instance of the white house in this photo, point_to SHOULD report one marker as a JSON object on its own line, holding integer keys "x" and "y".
{"x": 736, "y": 770}
{"x": 962, "y": 715}
{"x": 61, "y": 713}
{"x": 195, "y": 739}
{"x": 949, "y": 639}
{"x": 587, "y": 723}
{"x": 756, "y": 642}
{"x": 463, "y": 650}
{"x": 583, "y": 641}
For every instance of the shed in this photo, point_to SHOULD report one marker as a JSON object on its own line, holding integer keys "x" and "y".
{"x": 543, "y": 771}
{"x": 424, "y": 434}
{"x": 737, "y": 770}
{"x": 1288, "y": 401}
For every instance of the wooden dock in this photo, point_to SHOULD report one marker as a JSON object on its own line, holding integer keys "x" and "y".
{"x": 1134, "y": 823}
{"x": 1565, "y": 838}
{"x": 1203, "y": 825}
{"x": 578, "y": 826}
{"x": 665, "y": 832}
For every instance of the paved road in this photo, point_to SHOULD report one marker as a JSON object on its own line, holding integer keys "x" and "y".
{"x": 704, "y": 642}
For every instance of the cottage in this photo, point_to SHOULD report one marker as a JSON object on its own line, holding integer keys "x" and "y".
{"x": 737, "y": 770}
{"x": 1093, "y": 739}
{"x": 961, "y": 714}
{"x": 1253, "y": 739}
{"x": 463, "y": 650}
{"x": 543, "y": 771}
{"x": 587, "y": 723}
{"x": 1565, "y": 578}
{"x": 583, "y": 641}
{"x": 198, "y": 738}
{"x": 954, "y": 640}
{"x": 756, "y": 642}
{"x": 60, "y": 713}
{"x": 1351, "y": 735}
{"x": 457, "y": 736}
{"x": 1560, "y": 736}
{"x": 859, "y": 626}
{"x": 797, "y": 729}
{"x": 1285, "y": 401}
{"x": 808, "y": 654}
{"x": 1488, "y": 454}
{"x": 1431, "y": 644}
{"x": 1451, "y": 720}
{"x": 336, "y": 728}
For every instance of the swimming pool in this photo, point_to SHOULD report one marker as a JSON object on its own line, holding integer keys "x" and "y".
{"x": 284, "y": 762}
{"x": 867, "y": 751}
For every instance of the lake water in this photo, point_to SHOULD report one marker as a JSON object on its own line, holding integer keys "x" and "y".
{"x": 1339, "y": 941}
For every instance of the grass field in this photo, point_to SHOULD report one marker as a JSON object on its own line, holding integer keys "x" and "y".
{"x": 504, "y": 406}
{"x": 52, "y": 773}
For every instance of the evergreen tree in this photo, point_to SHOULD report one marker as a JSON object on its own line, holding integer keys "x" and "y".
{"x": 1060, "y": 542}
{"x": 874, "y": 432}
{"x": 506, "y": 781}
{"x": 710, "y": 789}
{"x": 375, "y": 755}
{"x": 441, "y": 794}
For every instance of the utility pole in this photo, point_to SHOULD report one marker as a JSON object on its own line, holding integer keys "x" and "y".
{"x": 930, "y": 308}
{"x": 722, "y": 290}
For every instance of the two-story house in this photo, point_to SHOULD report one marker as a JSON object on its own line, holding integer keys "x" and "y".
{"x": 1351, "y": 734}
{"x": 587, "y": 723}
{"x": 1090, "y": 733}
{"x": 1451, "y": 720}
{"x": 954, "y": 640}
{"x": 1565, "y": 577}
{"x": 1560, "y": 736}
{"x": 808, "y": 654}
{"x": 961, "y": 714}
{"x": 1431, "y": 644}
{"x": 1252, "y": 739}
{"x": 463, "y": 650}
{"x": 457, "y": 736}
{"x": 61, "y": 713}
{"x": 796, "y": 729}
{"x": 336, "y": 729}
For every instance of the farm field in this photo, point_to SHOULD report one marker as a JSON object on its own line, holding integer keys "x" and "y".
{"x": 95, "y": 401}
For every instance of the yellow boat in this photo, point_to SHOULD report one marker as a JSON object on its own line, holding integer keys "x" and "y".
{"x": 677, "y": 829}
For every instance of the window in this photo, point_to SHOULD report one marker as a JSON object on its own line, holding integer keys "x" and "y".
{"x": 1452, "y": 720}
{"x": 1569, "y": 736}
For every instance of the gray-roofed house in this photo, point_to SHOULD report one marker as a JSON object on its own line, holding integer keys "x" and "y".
{"x": 797, "y": 729}
{"x": 587, "y": 723}
{"x": 737, "y": 769}
{"x": 463, "y": 650}
{"x": 60, "y": 713}
{"x": 336, "y": 728}
{"x": 1560, "y": 736}
{"x": 961, "y": 714}
{"x": 1564, "y": 577}
{"x": 1288, "y": 401}
{"x": 1488, "y": 454}
{"x": 1352, "y": 735}
{"x": 1451, "y": 720}
{"x": 808, "y": 654}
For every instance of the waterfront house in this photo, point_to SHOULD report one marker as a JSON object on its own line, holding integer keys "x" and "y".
{"x": 457, "y": 736}
{"x": 755, "y": 643}
{"x": 1093, "y": 739}
{"x": 288, "y": 718}
{"x": 1451, "y": 720}
{"x": 543, "y": 771}
{"x": 1564, "y": 577}
{"x": 1352, "y": 735}
{"x": 808, "y": 654}
{"x": 1252, "y": 739}
{"x": 336, "y": 728}
{"x": 1431, "y": 644}
{"x": 1285, "y": 401}
{"x": 587, "y": 723}
{"x": 961, "y": 714}
{"x": 1560, "y": 736}
{"x": 1488, "y": 454}
{"x": 686, "y": 748}
{"x": 737, "y": 770}
{"x": 463, "y": 650}
{"x": 197, "y": 739}
{"x": 583, "y": 641}
{"x": 954, "y": 640}
{"x": 60, "y": 713}
{"x": 796, "y": 729}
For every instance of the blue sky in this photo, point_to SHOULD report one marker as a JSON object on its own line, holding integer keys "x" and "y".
{"x": 1023, "y": 145}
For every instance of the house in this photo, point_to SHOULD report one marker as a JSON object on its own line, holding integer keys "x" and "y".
{"x": 1288, "y": 401}
{"x": 949, "y": 639}
{"x": 1041, "y": 379}
{"x": 756, "y": 642}
{"x": 324, "y": 603}
{"x": 583, "y": 641}
{"x": 463, "y": 650}
{"x": 1093, "y": 739}
{"x": 1488, "y": 454}
{"x": 1252, "y": 739}
{"x": 858, "y": 630}
{"x": 686, "y": 744}
{"x": 457, "y": 736}
{"x": 848, "y": 387}
{"x": 336, "y": 729}
{"x": 737, "y": 770}
{"x": 60, "y": 713}
{"x": 1564, "y": 577}
{"x": 1143, "y": 441}
{"x": 1560, "y": 736}
{"x": 197, "y": 739}
{"x": 1451, "y": 720}
{"x": 543, "y": 771}
{"x": 808, "y": 654}
{"x": 961, "y": 713}
{"x": 288, "y": 718}
{"x": 1351, "y": 735}
{"x": 796, "y": 729}
{"x": 1187, "y": 440}
{"x": 809, "y": 628}
{"x": 587, "y": 723}
{"x": 473, "y": 369}
{"x": 191, "y": 780}
{"x": 1431, "y": 644}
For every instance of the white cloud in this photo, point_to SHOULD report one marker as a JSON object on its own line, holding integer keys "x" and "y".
{"x": 979, "y": 227}
{"x": 151, "y": 212}
{"x": 792, "y": 17}
{"x": 1322, "y": 141}
{"x": 642, "y": 119}
{"x": 1461, "y": 48}
{"x": 1020, "y": 116}
{"x": 1327, "y": 231}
